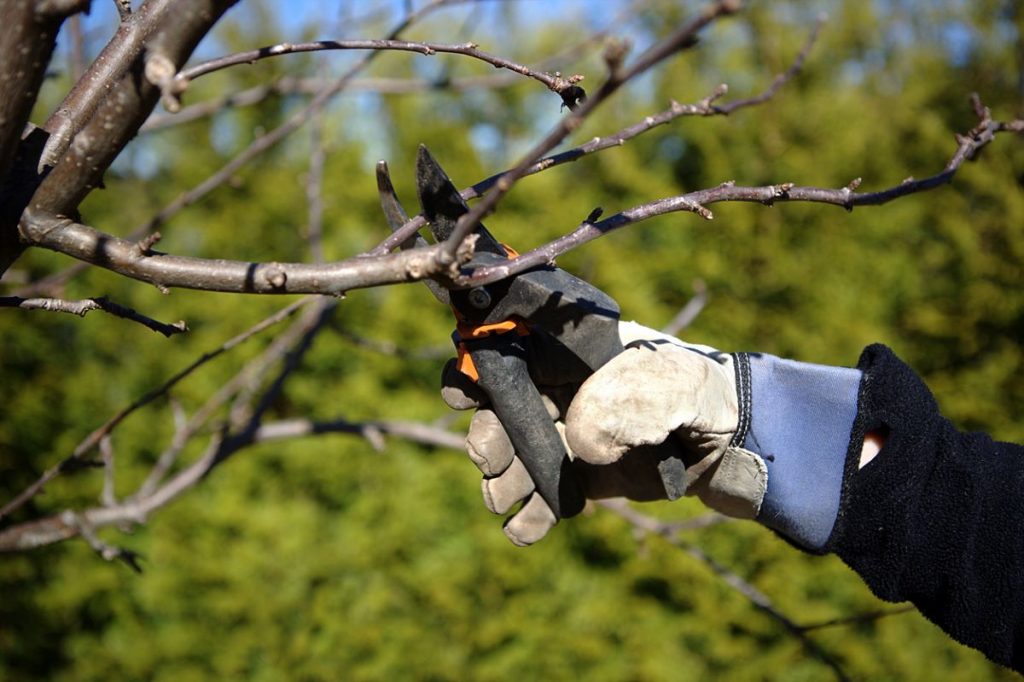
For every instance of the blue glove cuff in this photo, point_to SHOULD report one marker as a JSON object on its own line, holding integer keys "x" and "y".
{"x": 798, "y": 418}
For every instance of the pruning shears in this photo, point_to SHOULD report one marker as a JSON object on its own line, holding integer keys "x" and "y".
{"x": 504, "y": 329}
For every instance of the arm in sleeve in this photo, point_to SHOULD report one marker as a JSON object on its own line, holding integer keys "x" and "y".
{"x": 936, "y": 518}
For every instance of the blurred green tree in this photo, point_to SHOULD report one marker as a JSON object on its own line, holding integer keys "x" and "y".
{"x": 357, "y": 553}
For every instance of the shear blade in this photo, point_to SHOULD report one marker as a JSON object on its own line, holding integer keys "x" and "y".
{"x": 397, "y": 217}
{"x": 443, "y": 205}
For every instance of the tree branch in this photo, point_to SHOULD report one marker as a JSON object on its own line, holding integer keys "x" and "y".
{"x": 232, "y": 437}
{"x": 705, "y": 107}
{"x": 27, "y": 42}
{"x": 288, "y": 85}
{"x": 94, "y": 438}
{"x": 554, "y": 82}
{"x": 118, "y": 107}
{"x": 133, "y": 259}
{"x": 95, "y": 86}
{"x": 271, "y": 138}
{"x": 84, "y": 306}
{"x": 697, "y": 202}
{"x": 414, "y": 432}
{"x": 680, "y": 39}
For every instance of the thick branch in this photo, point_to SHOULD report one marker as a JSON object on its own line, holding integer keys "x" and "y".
{"x": 132, "y": 259}
{"x": 109, "y": 67}
{"x": 27, "y": 41}
{"x": 119, "y": 110}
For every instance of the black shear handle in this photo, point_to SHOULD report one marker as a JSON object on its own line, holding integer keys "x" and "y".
{"x": 504, "y": 375}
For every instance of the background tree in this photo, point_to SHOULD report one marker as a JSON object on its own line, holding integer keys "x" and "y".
{"x": 368, "y": 565}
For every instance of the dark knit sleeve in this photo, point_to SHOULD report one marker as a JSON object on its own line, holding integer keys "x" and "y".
{"x": 937, "y": 518}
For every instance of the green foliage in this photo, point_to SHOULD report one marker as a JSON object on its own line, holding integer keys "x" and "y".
{"x": 322, "y": 559}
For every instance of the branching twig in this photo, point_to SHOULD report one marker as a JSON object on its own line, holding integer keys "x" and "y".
{"x": 109, "y": 552}
{"x": 246, "y": 382}
{"x": 554, "y": 82}
{"x": 288, "y": 85}
{"x": 84, "y": 306}
{"x": 697, "y": 201}
{"x": 272, "y": 137}
{"x": 94, "y": 438}
{"x": 680, "y": 39}
{"x": 705, "y": 107}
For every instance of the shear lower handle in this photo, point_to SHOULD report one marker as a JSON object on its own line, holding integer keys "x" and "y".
{"x": 503, "y": 374}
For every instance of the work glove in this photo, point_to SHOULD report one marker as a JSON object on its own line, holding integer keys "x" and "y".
{"x": 658, "y": 399}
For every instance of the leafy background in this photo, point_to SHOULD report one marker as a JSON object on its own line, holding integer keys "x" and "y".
{"x": 322, "y": 559}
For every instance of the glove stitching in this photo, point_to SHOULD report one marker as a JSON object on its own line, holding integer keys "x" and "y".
{"x": 742, "y": 366}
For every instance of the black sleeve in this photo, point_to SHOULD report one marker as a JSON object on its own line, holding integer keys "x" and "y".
{"x": 937, "y": 518}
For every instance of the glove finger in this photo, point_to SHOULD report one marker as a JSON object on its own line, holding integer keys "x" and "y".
{"x": 488, "y": 444}
{"x": 459, "y": 391}
{"x": 503, "y": 492}
{"x": 530, "y": 523}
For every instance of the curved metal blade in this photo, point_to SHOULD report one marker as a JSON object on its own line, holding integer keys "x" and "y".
{"x": 443, "y": 205}
{"x": 396, "y": 217}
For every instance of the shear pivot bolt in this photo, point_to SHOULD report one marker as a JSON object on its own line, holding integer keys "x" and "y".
{"x": 479, "y": 298}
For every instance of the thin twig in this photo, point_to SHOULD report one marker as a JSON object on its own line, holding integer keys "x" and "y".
{"x": 287, "y": 85}
{"x": 554, "y": 82}
{"x": 167, "y": 458}
{"x": 867, "y": 617}
{"x": 413, "y": 432}
{"x": 272, "y": 137}
{"x": 649, "y": 524}
{"x": 107, "y": 497}
{"x": 704, "y": 108}
{"x": 696, "y": 202}
{"x": 689, "y": 312}
{"x": 242, "y": 387}
{"x": 87, "y": 305}
{"x": 251, "y": 379}
{"x": 314, "y": 188}
{"x": 680, "y": 39}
